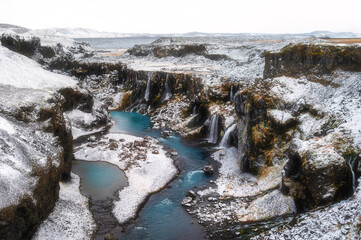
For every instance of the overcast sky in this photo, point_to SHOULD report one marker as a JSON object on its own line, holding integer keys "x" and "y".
{"x": 168, "y": 16}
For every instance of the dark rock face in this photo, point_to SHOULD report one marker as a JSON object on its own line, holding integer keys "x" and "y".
{"x": 21, "y": 220}
{"x": 76, "y": 98}
{"x": 53, "y": 57}
{"x": 168, "y": 50}
{"x": 136, "y": 81}
{"x": 299, "y": 59}
{"x": 162, "y": 51}
{"x": 19, "y": 45}
{"x": 255, "y": 134}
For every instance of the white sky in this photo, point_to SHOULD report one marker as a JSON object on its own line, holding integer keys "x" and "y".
{"x": 169, "y": 16}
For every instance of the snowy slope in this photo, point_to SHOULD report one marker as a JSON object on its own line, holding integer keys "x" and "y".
{"x": 21, "y": 72}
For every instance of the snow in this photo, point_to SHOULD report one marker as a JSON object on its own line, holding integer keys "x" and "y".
{"x": 339, "y": 221}
{"x": 267, "y": 206}
{"x": 338, "y": 98}
{"x": 71, "y": 218}
{"x": 13, "y": 185}
{"x": 279, "y": 116}
{"x": 6, "y": 126}
{"x": 142, "y": 182}
{"x": 21, "y": 151}
{"x": 21, "y": 72}
{"x": 144, "y": 162}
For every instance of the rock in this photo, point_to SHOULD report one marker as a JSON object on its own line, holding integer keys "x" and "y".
{"x": 174, "y": 153}
{"x": 92, "y": 138}
{"x": 281, "y": 119}
{"x": 36, "y": 153}
{"x": 297, "y": 59}
{"x": 109, "y": 236}
{"x": 113, "y": 146}
{"x": 191, "y": 194}
{"x": 155, "y": 152}
{"x": 316, "y": 174}
{"x": 208, "y": 170}
{"x": 187, "y": 201}
{"x": 268, "y": 206}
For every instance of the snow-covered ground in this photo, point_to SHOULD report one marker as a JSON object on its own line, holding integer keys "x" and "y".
{"x": 71, "y": 218}
{"x": 339, "y": 221}
{"x": 144, "y": 162}
{"x": 253, "y": 199}
{"x": 24, "y": 86}
{"x": 21, "y": 72}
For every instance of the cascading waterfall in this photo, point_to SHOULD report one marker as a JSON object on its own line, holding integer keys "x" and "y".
{"x": 227, "y": 136}
{"x": 168, "y": 93}
{"x": 213, "y": 133}
{"x": 194, "y": 111}
{"x": 147, "y": 90}
{"x": 231, "y": 94}
{"x": 351, "y": 161}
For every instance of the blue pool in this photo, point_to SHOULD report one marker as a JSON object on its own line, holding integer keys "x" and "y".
{"x": 99, "y": 179}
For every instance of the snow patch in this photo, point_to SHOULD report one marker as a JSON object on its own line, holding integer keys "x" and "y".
{"x": 71, "y": 218}
{"x": 22, "y": 72}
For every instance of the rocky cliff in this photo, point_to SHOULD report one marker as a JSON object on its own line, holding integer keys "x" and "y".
{"x": 36, "y": 141}
{"x": 305, "y": 59}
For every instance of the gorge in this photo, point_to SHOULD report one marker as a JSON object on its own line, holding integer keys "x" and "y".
{"x": 277, "y": 118}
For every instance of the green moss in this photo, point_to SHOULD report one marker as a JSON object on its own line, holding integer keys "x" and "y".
{"x": 329, "y": 125}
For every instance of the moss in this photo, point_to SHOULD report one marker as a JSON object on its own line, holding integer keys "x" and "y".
{"x": 262, "y": 135}
{"x": 126, "y": 100}
{"x": 332, "y": 123}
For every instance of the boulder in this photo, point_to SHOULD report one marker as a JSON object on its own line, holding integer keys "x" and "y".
{"x": 316, "y": 174}
{"x": 208, "y": 170}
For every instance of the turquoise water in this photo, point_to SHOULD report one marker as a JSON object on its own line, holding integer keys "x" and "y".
{"x": 163, "y": 216}
{"x": 99, "y": 179}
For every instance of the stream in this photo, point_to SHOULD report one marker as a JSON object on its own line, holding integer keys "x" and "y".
{"x": 162, "y": 216}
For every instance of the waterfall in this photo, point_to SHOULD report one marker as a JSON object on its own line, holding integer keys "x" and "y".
{"x": 231, "y": 94}
{"x": 146, "y": 96}
{"x": 227, "y": 136}
{"x": 351, "y": 161}
{"x": 194, "y": 111}
{"x": 213, "y": 133}
{"x": 168, "y": 93}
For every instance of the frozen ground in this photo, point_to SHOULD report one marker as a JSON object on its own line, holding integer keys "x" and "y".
{"x": 22, "y": 72}
{"x": 339, "y": 221}
{"x": 144, "y": 162}
{"x": 71, "y": 218}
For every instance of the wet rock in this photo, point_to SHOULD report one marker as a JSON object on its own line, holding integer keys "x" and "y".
{"x": 109, "y": 236}
{"x": 208, "y": 170}
{"x": 187, "y": 201}
{"x": 191, "y": 194}
{"x": 174, "y": 153}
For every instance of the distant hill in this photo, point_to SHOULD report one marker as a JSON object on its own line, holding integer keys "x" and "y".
{"x": 91, "y": 33}
{"x": 14, "y": 28}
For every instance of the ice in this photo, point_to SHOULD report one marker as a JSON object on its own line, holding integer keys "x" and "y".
{"x": 71, "y": 218}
